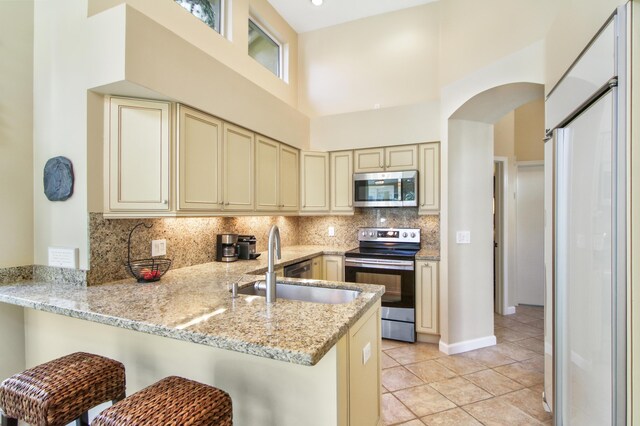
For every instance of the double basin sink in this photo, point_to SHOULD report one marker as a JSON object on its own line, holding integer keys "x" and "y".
{"x": 302, "y": 293}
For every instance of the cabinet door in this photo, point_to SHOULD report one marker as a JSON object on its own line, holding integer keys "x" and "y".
{"x": 238, "y": 151}
{"x": 289, "y": 178}
{"x": 333, "y": 268}
{"x": 369, "y": 160}
{"x": 429, "y": 176}
{"x": 267, "y": 174}
{"x": 315, "y": 182}
{"x": 427, "y": 297}
{"x": 342, "y": 181}
{"x": 316, "y": 268}
{"x": 138, "y": 155}
{"x": 199, "y": 160}
{"x": 401, "y": 158}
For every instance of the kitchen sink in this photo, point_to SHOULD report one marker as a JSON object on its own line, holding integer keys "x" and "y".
{"x": 303, "y": 293}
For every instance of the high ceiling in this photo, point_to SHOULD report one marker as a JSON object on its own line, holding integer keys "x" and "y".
{"x": 304, "y": 16}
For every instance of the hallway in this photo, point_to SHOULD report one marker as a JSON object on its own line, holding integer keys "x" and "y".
{"x": 498, "y": 385}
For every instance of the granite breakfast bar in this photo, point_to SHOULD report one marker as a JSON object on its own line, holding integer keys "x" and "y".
{"x": 286, "y": 363}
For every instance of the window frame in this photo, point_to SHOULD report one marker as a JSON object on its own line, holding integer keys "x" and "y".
{"x": 269, "y": 34}
{"x": 222, "y": 18}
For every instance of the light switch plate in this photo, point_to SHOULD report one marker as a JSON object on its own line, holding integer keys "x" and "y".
{"x": 332, "y": 231}
{"x": 63, "y": 257}
{"x": 463, "y": 237}
{"x": 366, "y": 353}
{"x": 158, "y": 248}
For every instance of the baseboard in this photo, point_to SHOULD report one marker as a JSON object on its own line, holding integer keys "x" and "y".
{"x": 510, "y": 310}
{"x": 428, "y": 338}
{"x": 467, "y": 345}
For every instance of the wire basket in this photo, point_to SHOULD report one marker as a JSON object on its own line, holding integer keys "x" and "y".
{"x": 146, "y": 270}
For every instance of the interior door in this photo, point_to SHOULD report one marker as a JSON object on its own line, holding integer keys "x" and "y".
{"x": 584, "y": 312}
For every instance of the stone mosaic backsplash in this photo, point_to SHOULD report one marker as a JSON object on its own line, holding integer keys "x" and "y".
{"x": 315, "y": 228}
{"x": 192, "y": 241}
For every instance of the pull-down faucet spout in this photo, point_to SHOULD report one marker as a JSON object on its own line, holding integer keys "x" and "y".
{"x": 274, "y": 241}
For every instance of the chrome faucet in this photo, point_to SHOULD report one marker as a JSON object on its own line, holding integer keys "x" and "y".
{"x": 274, "y": 240}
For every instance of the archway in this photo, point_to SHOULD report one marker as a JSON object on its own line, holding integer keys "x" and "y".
{"x": 468, "y": 303}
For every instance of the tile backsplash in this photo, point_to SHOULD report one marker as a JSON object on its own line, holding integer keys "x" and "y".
{"x": 191, "y": 241}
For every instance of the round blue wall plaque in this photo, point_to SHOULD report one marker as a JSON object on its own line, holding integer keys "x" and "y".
{"x": 58, "y": 179}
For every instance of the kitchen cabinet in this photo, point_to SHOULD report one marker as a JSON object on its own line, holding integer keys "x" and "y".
{"x": 316, "y": 268}
{"x": 429, "y": 178}
{"x": 137, "y": 171}
{"x": 276, "y": 176}
{"x": 314, "y": 182}
{"x": 364, "y": 370}
{"x": 199, "y": 160}
{"x": 392, "y": 158}
{"x": 341, "y": 163}
{"x": 427, "y": 297}
{"x": 333, "y": 267}
{"x": 239, "y": 159}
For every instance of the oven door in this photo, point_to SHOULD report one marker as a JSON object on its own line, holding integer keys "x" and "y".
{"x": 397, "y": 276}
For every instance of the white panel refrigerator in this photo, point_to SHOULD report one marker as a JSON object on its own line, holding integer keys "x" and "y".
{"x": 585, "y": 242}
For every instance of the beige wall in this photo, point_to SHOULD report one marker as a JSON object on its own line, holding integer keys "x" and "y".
{"x": 575, "y": 23}
{"x": 529, "y": 131}
{"x": 16, "y": 133}
{"x": 504, "y": 136}
{"x": 230, "y": 49}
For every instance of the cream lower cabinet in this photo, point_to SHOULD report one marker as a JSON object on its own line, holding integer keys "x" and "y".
{"x": 314, "y": 182}
{"x": 276, "y": 176}
{"x": 427, "y": 297}
{"x": 239, "y": 157}
{"x": 333, "y": 267}
{"x": 316, "y": 268}
{"x": 341, "y": 163}
{"x": 137, "y": 156}
{"x": 199, "y": 161}
{"x": 429, "y": 178}
{"x": 363, "y": 368}
{"x": 392, "y": 158}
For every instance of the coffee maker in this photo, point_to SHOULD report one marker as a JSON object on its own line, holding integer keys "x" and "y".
{"x": 247, "y": 247}
{"x": 227, "y": 247}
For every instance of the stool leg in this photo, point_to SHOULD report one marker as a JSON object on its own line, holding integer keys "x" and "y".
{"x": 7, "y": 421}
{"x": 83, "y": 420}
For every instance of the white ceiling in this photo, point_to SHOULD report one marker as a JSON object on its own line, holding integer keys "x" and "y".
{"x": 304, "y": 16}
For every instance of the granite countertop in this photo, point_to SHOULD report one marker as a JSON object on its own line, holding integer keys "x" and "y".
{"x": 195, "y": 305}
{"x": 428, "y": 254}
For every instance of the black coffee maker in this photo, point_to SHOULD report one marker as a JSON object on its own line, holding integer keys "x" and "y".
{"x": 227, "y": 247}
{"x": 247, "y": 247}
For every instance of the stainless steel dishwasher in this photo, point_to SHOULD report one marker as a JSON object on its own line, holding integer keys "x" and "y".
{"x": 298, "y": 270}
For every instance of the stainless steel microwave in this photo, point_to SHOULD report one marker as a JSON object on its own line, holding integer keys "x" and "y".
{"x": 386, "y": 189}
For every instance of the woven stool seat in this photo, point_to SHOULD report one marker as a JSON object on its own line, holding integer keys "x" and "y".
{"x": 170, "y": 401}
{"x": 62, "y": 390}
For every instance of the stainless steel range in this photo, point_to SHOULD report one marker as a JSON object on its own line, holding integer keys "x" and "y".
{"x": 386, "y": 256}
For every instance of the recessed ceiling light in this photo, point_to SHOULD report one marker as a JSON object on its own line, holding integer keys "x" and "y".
{"x": 317, "y": 2}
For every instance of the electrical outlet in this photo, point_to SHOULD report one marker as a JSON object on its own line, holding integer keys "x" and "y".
{"x": 63, "y": 257}
{"x": 366, "y": 353}
{"x": 463, "y": 237}
{"x": 158, "y": 248}
{"x": 332, "y": 231}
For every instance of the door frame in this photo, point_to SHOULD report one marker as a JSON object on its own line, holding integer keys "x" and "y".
{"x": 501, "y": 214}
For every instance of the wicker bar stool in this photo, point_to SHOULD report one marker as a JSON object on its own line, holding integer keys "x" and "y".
{"x": 171, "y": 401}
{"x": 62, "y": 390}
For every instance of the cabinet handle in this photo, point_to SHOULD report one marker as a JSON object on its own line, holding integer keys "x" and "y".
{"x": 226, "y": 204}
{"x": 220, "y": 202}
{"x": 422, "y": 205}
{"x": 165, "y": 202}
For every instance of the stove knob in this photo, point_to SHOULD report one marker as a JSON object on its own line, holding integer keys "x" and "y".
{"x": 413, "y": 235}
{"x": 371, "y": 234}
{"x": 404, "y": 235}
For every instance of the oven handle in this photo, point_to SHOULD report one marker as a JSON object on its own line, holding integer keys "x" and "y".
{"x": 404, "y": 265}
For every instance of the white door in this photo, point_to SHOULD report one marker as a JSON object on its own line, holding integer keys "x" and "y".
{"x": 530, "y": 234}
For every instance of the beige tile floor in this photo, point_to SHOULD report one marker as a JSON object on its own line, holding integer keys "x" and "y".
{"x": 498, "y": 385}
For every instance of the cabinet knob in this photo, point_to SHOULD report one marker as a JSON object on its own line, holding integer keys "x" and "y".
{"x": 220, "y": 202}
{"x": 422, "y": 205}
{"x": 165, "y": 201}
{"x": 226, "y": 204}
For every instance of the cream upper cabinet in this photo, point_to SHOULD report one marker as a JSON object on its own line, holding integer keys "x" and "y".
{"x": 427, "y": 297}
{"x": 341, "y": 181}
{"x": 137, "y": 156}
{"x": 369, "y": 160}
{"x": 238, "y": 153}
{"x": 403, "y": 157}
{"x": 276, "y": 176}
{"x": 314, "y": 182}
{"x": 393, "y": 158}
{"x": 429, "y": 178}
{"x": 289, "y": 178}
{"x": 199, "y": 160}
{"x": 333, "y": 267}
